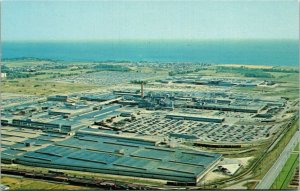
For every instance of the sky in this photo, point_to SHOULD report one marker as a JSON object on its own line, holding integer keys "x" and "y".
{"x": 117, "y": 20}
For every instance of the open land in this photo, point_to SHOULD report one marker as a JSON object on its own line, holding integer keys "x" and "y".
{"x": 21, "y": 183}
{"x": 132, "y": 125}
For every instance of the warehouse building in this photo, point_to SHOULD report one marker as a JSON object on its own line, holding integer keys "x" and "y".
{"x": 195, "y": 118}
{"x": 99, "y": 97}
{"x": 58, "y": 126}
{"x": 112, "y": 155}
{"x": 61, "y": 98}
{"x": 17, "y": 141}
{"x": 225, "y": 108}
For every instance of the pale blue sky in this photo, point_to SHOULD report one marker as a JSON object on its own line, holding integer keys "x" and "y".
{"x": 96, "y": 20}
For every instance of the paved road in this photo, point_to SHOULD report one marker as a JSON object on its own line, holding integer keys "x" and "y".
{"x": 274, "y": 171}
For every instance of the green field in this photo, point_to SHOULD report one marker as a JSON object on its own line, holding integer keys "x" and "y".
{"x": 283, "y": 179}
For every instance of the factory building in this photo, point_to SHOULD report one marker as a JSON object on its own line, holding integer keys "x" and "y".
{"x": 119, "y": 156}
{"x": 99, "y": 98}
{"x": 58, "y": 126}
{"x": 195, "y": 118}
{"x": 61, "y": 98}
{"x": 224, "y": 108}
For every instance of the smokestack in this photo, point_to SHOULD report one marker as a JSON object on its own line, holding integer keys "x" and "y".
{"x": 142, "y": 89}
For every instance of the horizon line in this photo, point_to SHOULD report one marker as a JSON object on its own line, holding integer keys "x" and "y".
{"x": 152, "y": 40}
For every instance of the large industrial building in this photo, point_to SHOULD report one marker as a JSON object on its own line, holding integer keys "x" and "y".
{"x": 90, "y": 151}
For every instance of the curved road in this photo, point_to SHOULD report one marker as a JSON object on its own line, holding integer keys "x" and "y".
{"x": 274, "y": 171}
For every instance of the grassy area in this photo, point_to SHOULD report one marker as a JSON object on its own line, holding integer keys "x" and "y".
{"x": 288, "y": 86}
{"x": 212, "y": 72}
{"x": 16, "y": 183}
{"x": 251, "y": 184}
{"x": 283, "y": 179}
{"x": 269, "y": 160}
{"x": 297, "y": 148}
{"x": 287, "y": 77}
{"x": 265, "y": 164}
{"x": 291, "y": 93}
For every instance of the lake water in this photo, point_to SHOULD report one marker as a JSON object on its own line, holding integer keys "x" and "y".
{"x": 256, "y": 52}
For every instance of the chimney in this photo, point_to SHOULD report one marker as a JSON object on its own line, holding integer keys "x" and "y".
{"x": 142, "y": 89}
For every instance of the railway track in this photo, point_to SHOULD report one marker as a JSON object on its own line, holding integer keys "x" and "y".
{"x": 63, "y": 178}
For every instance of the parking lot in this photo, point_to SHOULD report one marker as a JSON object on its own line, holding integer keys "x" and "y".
{"x": 204, "y": 131}
{"x": 105, "y": 78}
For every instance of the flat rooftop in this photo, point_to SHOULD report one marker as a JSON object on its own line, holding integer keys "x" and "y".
{"x": 113, "y": 155}
{"x": 13, "y": 141}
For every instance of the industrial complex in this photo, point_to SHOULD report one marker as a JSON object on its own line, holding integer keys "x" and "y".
{"x": 182, "y": 130}
{"x": 149, "y": 95}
